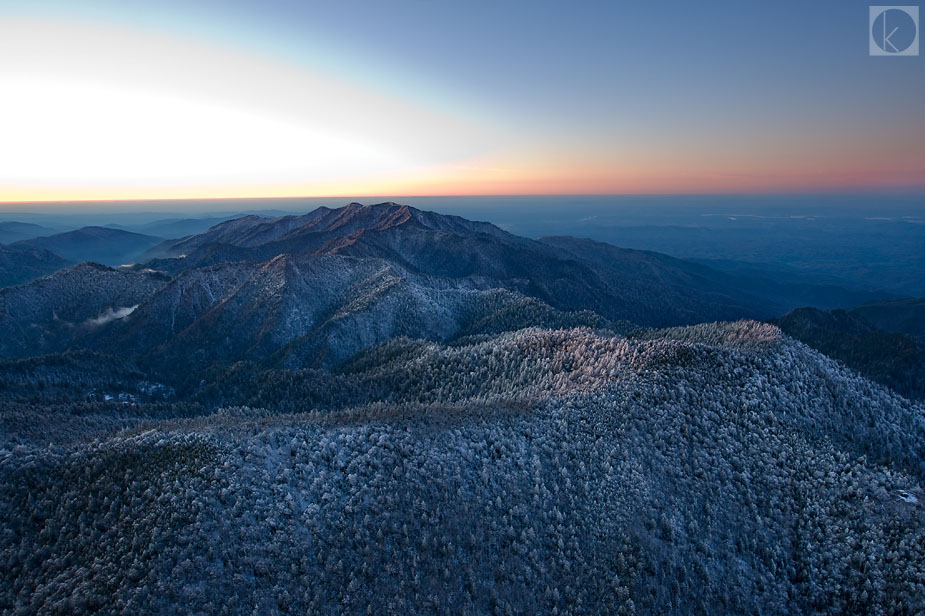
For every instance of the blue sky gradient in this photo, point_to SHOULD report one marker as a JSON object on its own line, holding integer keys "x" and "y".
{"x": 592, "y": 97}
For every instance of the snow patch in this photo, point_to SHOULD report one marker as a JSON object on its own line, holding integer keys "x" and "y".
{"x": 907, "y": 497}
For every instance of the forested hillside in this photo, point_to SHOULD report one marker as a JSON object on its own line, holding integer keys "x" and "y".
{"x": 706, "y": 470}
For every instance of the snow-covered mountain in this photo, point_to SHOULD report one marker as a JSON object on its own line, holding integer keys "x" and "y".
{"x": 375, "y": 409}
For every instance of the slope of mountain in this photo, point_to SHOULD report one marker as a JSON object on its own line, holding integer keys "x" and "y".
{"x": 47, "y": 314}
{"x": 905, "y": 316}
{"x": 179, "y": 227}
{"x": 11, "y": 231}
{"x": 305, "y": 310}
{"x": 244, "y": 232}
{"x": 658, "y": 284}
{"x": 712, "y": 469}
{"x": 19, "y": 264}
{"x": 99, "y": 244}
{"x": 894, "y": 359}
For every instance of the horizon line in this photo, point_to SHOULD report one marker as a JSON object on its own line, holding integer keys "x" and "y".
{"x": 893, "y": 192}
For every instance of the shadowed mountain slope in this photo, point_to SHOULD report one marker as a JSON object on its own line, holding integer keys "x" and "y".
{"x": 893, "y": 359}
{"x": 304, "y": 310}
{"x": 19, "y": 264}
{"x": 905, "y": 316}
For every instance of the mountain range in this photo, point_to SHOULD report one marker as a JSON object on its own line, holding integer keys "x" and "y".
{"x": 640, "y": 286}
{"x": 380, "y": 409}
{"x": 316, "y": 289}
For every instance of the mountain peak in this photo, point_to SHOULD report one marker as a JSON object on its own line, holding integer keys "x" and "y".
{"x": 359, "y": 217}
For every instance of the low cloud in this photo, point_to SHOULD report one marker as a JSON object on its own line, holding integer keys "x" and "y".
{"x": 111, "y": 315}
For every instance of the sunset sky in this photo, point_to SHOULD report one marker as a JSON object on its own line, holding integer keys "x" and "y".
{"x": 186, "y": 99}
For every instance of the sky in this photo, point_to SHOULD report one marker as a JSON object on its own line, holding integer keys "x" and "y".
{"x": 219, "y": 99}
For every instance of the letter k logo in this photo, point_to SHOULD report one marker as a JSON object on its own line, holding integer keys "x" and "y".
{"x": 894, "y": 30}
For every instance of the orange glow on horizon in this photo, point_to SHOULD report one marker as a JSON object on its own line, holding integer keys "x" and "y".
{"x": 808, "y": 183}
{"x": 487, "y": 178}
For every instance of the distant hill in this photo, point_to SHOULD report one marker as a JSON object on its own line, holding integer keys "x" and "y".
{"x": 17, "y": 231}
{"x": 893, "y": 359}
{"x": 19, "y": 264}
{"x": 906, "y": 316}
{"x": 98, "y": 244}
